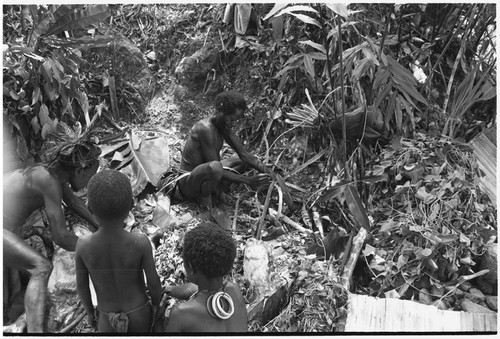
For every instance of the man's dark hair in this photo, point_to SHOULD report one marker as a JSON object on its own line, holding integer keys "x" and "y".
{"x": 228, "y": 102}
{"x": 72, "y": 155}
{"x": 209, "y": 249}
{"x": 109, "y": 194}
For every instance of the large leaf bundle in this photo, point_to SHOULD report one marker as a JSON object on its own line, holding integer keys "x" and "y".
{"x": 143, "y": 155}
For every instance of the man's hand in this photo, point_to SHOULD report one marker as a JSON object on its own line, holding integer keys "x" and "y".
{"x": 258, "y": 180}
{"x": 183, "y": 292}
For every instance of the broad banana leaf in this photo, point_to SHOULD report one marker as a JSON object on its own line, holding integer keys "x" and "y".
{"x": 222, "y": 218}
{"x": 143, "y": 156}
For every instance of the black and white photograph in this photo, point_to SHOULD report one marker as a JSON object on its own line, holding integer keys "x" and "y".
{"x": 209, "y": 168}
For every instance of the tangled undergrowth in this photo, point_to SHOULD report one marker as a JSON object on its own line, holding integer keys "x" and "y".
{"x": 432, "y": 217}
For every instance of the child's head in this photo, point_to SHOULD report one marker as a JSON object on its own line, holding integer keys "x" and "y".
{"x": 209, "y": 250}
{"x": 109, "y": 195}
{"x": 228, "y": 102}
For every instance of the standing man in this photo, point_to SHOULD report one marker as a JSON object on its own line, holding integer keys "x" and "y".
{"x": 201, "y": 153}
{"x": 44, "y": 185}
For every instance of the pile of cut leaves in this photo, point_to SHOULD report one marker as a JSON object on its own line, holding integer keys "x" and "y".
{"x": 432, "y": 221}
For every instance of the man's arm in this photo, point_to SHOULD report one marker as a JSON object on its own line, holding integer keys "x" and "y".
{"x": 244, "y": 155}
{"x": 77, "y": 205}
{"x": 183, "y": 292}
{"x": 82, "y": 285}
{"x": 51, "y": 190}
{"x": 148, "y": 265}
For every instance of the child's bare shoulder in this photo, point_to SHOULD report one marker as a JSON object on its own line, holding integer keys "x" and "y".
{"x": 83, "y": 242}
{"x": 231, "y": 286}
{"x": 139, "y": 240}
{"x": 186, "y": 309}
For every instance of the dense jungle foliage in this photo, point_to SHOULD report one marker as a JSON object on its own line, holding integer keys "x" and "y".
{"x": 369, "y": 107}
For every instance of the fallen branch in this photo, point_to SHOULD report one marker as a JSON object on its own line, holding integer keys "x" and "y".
{"x": 357, "y": 245}
{"x": 273, "y": 214}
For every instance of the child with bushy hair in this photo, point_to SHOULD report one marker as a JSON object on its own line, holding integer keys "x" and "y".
{"x": 213, "y": 305}
{"x": 116, "y": 261}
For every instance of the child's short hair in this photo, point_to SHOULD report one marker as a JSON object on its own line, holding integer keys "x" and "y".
{"x": 109, "y": 194}
{"x": 227, "y": 102}
{"x": 209, "y": 249}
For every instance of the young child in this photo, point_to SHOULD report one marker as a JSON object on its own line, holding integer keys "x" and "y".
{"x": 116, "y": 261}
{"x": 213, "y": 305}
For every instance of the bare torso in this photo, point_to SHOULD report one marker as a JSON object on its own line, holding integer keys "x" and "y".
{"x": 203, "y": 135}
{"x": 114, "y": 262}
{"x": 21, "y": 197}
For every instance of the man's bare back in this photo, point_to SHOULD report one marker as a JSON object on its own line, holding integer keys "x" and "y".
{"x": 203, "y": 136}
{"x": 23, "y": 193}
{"x": 44, "y": 185}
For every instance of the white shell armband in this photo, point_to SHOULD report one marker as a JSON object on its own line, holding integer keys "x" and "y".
{"x": 216, "y": 308}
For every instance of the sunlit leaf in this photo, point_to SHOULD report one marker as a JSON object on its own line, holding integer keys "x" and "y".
{"x": 242, "y": 13}
{"x": 340, "y": 9}
{"x": 46, "y": 130}
{"x": 277, "y": 7}
{"x": 306, "y": 19}
{"x": 369, "y": 249}
{"x": 392, "y": 294}
{"x": 448, "y": 239}
{"x": 361, "y": 69}
{"x": 298, "y": 8}
{"x": 464, "y": 239}
{"x": 426, "y": 252}
{"x": 315, "y": 45}
{"x": 43, "y": 115}
{"x": 118, "y": 156}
